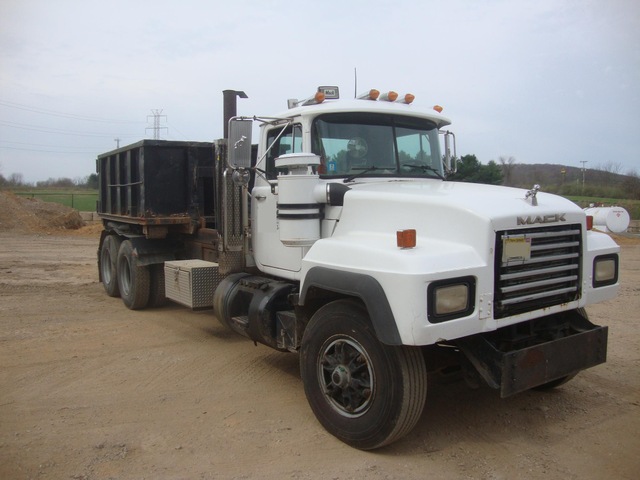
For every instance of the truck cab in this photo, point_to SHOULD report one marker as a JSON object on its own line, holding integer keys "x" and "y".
{"x": 353, "y": 142}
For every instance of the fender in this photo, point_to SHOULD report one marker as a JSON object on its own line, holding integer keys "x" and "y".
{"x": 364, "y": 287}
{"x": 149, "y": 253}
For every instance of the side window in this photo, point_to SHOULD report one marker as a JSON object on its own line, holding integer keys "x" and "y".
{"x": 289, "y": 142}
{"x": 414, "y": 147}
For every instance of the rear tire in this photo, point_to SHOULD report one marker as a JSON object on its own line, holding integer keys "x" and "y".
{"x": 363, "y": 392}
{"x": 108, "y": 262}
{"x": 133, "y": 280}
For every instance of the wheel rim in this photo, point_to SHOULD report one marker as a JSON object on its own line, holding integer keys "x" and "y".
{"x": 346, "y": 376}
{"x": 105, "y": 265}
{"x": 125, "y": 276}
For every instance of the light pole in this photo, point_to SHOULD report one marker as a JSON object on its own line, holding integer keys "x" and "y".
{"x": 583, "y": 172}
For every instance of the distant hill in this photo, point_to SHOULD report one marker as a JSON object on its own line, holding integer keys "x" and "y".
{"x": 569, "y": 180}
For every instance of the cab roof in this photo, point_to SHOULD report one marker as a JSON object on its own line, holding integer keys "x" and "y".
{"x": 366, "y": 106}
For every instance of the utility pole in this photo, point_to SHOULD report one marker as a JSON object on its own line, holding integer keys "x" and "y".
{"x": 156, "y": 123}
{"x": 117, "y": 140}
{"x": 583, "y": 172}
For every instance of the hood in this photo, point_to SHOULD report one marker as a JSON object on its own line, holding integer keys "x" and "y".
{"x": 449, "y": 210}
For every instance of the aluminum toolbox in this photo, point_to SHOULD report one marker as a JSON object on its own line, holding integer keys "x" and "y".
{"x": 191, "y": 282}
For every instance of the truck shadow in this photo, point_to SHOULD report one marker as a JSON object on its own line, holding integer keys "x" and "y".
{"x": 456, "y": 414}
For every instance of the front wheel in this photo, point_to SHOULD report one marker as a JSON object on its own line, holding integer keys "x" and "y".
{"x": 554, "y": 383}
{"x": 363, "y": 392}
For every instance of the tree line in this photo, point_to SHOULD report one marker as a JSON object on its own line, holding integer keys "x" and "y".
{"x": 16, "y": 180}
{"x": 603, "y": 180}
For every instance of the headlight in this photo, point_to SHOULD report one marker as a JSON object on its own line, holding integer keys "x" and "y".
{"x": 605, "y": 270}
{"x": 449, "y": 299}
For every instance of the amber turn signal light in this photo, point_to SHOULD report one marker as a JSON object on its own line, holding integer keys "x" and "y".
{"x": 406, "y": 238}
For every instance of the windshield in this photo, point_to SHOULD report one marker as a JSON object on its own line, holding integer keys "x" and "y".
{"x": 358, "y": 144}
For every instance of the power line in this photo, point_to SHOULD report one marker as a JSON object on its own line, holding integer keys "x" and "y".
{"x": 173, "y": 128}
{"x": 65, "y": 147}
{"x": 48, "y": 151}
{"x": 54, "y": 113}
{"x": 29, "y": 144}
{"x": 59, "y": 131}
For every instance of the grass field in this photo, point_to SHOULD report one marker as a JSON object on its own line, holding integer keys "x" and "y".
{"x": 83, "y": 200}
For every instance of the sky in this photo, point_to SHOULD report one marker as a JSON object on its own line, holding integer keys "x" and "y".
{"x": 544, "y": 81}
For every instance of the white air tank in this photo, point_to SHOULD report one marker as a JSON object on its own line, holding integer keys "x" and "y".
{"x": 298, "y": 211}
{"x": 609, "y": 219}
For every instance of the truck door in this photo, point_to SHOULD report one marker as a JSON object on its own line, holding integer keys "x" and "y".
{"x": 269, "y": 252}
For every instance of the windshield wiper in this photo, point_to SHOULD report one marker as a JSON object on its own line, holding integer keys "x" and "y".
{"x": 370, "y": 169}
{"x": 424, "y": 168}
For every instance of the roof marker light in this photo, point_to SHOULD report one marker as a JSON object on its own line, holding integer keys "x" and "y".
{"x": 318, "y": 97}
{"x": 323, "y": 93}
{"x": 389, "y": 96}
{"x": 372, "y": 94}
{"x": 438, "y": 108}
{"x": 408, "y": 98}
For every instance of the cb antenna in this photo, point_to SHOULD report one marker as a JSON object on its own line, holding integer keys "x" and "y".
{"x": 355, "y": 82}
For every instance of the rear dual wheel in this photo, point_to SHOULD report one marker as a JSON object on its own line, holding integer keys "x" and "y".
{"x": 363, "y": 392}
{"x": 108, "y": 264}
{"x": 118, "y": 266}
{"x": 134, "y": 281}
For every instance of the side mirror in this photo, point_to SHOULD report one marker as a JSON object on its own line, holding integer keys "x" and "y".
{"x": 239, "y": 147}
{"x": 450, "y": 162}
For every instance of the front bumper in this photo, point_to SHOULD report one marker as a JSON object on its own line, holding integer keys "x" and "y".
{"x": 513, "y": 370}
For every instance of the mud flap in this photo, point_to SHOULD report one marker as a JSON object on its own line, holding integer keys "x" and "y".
{"x": 518, "y": 370}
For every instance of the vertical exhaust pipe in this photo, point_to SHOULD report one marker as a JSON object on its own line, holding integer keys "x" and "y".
{"x": 230, "y": 198}
{"x": 230, "y": 108}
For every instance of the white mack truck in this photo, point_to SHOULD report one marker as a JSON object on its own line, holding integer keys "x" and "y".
{"x": 339, "y": 237}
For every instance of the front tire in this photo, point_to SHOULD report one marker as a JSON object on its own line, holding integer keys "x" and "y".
{"x": 133, "y": 280}
{"x": 554, "y": 383}
{"x": 363, "y": 392}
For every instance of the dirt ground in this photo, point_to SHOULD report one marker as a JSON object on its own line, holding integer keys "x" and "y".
{"x": 90, "y": 390}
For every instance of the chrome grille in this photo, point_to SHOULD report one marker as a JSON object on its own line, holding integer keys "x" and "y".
{"x": 549, "y": 274}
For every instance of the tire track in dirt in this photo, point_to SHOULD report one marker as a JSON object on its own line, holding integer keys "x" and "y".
{"x": 89, "y": 389}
